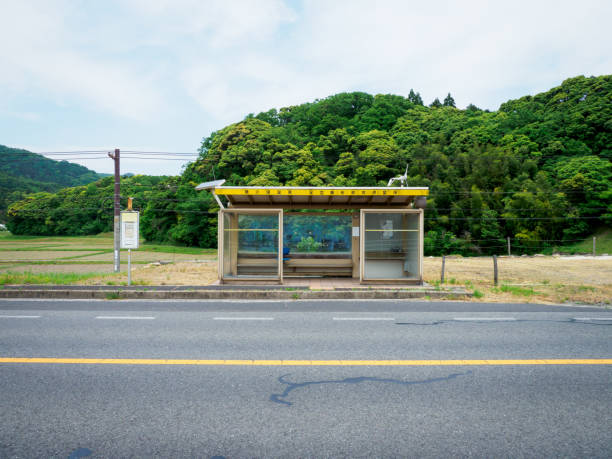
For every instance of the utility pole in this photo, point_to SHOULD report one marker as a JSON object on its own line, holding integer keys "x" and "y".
{"x": 117, "y": 229}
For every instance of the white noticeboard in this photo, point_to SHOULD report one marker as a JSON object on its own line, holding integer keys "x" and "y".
{"x": 130, "y": 222}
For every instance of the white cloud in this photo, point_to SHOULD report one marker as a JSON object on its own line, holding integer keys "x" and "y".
{"x": 482, "y": 52}
{"x": 40, "y": 52}
{"x": 222, "y": 23}
{"x": 178, "y": 69}
{"x": 469, "y": 48}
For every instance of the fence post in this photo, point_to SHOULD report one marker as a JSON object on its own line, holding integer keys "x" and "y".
{"x": 495, "y": 269}
{"x": 594, "y": 246}
{"x": 442, "y": 275}
{"x": 508, "y": 245}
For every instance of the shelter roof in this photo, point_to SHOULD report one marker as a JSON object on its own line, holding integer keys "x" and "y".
{"x": 318, "y": 197}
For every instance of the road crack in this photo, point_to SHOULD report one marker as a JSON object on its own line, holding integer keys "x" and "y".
{"x": 291, "y": 386}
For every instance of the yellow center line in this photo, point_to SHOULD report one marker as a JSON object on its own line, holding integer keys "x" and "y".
{"x": 307, "y": 362}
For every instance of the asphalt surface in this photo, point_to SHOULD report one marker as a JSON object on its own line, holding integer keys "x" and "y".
{"x": 127, "y": 410}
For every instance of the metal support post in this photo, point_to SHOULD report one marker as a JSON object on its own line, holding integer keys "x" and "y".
{"x": 508, "y": 245}
{"x": 594, "y": 246}
{"x": 442, "y": 274}
{"x": 129, "y": 267}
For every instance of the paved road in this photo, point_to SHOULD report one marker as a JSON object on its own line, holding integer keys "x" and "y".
{"x": 326, "y": 409}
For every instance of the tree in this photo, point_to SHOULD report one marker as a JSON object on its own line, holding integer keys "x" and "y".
{"x": 449, "y": 101}
{"x": 537, "y": 169}
{"x": 415, "y": 98}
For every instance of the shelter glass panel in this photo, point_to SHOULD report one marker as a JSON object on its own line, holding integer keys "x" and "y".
{"x": 391, "y": 245}
{"x": 325, "y": 233}
{"x": 250, "y": 244}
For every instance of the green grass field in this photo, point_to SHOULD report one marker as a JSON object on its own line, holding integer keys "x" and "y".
{"x": 30, "y": 278}
{"x": 69, "y": 260}
{"x": 100, "y": 243}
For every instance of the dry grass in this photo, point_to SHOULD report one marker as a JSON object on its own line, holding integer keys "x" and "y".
{"x": 531, "y": 279}
{"x": 204, "y": 273}
{"x": 182, "y": 273}
{"x": 523, "y": 279}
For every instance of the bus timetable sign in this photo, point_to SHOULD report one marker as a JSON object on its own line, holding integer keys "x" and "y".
{"x": 130, "y": 222}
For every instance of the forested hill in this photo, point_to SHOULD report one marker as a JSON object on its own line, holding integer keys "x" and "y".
{"x": 537, "y": 170}
{"x": 23, "y": 172}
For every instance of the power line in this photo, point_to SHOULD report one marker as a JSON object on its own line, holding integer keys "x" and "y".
{"x": 59, "y": 152}
{"x": 159, "y": 153}
{"x": 504, "y": 210}
{"x": 520, "y": 218}
{"x": 156, "y": 158}
{"x": 155, "y": 209}
{"x": 442, "y": 193}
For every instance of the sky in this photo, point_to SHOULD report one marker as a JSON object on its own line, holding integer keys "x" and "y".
{"x": 161, "y": 75}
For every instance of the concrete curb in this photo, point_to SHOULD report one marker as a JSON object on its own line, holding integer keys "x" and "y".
{"x": 115, "y": 294}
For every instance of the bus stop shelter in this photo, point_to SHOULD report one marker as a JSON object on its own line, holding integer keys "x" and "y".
{"x": 269, "y": 234}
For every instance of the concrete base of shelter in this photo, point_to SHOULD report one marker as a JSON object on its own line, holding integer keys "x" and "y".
{"x": 327, "y": 283}
{"x": 310, "y": 289}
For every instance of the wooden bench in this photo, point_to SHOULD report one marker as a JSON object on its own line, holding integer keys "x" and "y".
{"x": 298, "y": 264}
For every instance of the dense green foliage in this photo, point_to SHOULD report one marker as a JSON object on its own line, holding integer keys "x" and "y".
{"x": 23, "y": 172}
{"x": 538, "y": 170}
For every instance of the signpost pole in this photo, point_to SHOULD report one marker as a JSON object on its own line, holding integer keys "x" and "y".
{"x": 129, "y": 267}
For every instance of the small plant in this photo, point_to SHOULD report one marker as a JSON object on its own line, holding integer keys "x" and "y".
{"x": 478, "y": 294}
{"x": 518, "y": 291}
{"x": 469, "y": 284}
{"x": 113, "y": 295}
{"x": 140, "y": 282}
{"x": 427, "y": 297}
{"x": 295, "y": 296}
{"x": 452, "y": 281}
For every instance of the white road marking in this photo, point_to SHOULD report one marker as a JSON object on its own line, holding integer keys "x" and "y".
{"x": 243, "y": 318}
{"x": 484, "y": 319}
{"x": 363, "y": 318}
{"x": 126, "y": 317}
{"x": 19, "y": 317}
{"x": 593, "y": 318}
